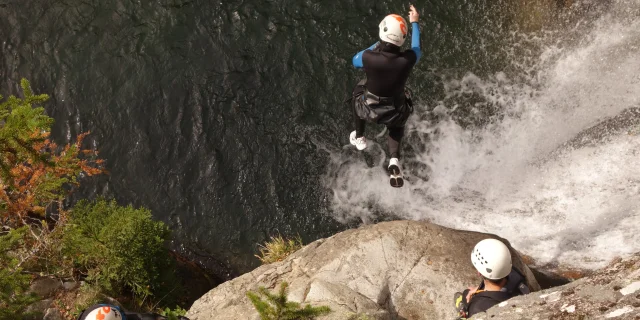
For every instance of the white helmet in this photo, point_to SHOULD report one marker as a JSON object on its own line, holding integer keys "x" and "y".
{"x": 393, "y": 29}
{"x": 492, "y": 259}
{"x": 102, "y": 312}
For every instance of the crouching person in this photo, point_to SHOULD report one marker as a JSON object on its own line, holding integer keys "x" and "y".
{"x": 500, "y": 280}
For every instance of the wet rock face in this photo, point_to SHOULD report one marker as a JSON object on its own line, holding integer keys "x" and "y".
{"x": 627, "y": 122}
{"x": 611, "y": 293}
{"x": 391, "y": 270}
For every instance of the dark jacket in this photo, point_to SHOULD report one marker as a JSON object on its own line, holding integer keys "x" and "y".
{"x": 482, "y": 301}
{"x": 388, "y": 68}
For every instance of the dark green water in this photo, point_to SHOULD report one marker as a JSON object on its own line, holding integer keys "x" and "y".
{"x": 212, "y": 114}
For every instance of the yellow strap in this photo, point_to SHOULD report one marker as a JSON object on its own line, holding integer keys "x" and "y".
{"x": 458, "y": 301}
{"x": 477, "y": 291}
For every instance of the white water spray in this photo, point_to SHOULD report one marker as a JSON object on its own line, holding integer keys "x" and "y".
{"x": 578, "y": 208}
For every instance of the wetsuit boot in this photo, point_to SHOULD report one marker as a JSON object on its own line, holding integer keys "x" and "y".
{"x": 395, "y": 173}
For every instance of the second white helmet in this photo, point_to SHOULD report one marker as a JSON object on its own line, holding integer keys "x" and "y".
{"x": 393, "y": 29}
{"x": 102, "y": 312}
{"x": 492, "y": 259}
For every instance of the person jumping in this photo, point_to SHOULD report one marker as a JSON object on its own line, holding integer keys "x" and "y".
{"x": 382, "y": 98}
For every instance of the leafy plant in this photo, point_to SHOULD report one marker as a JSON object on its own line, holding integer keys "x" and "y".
{"x": 86, "y": 296}
{"x": 14, "y": 298}
{"x": 34, "y": 171}
{"x": 278, "y": 249}
{"x": 35, "y": 175}
{"x": 173, "y": 314}
{"x": 276, "y": 306}
{"x": 118, "y": 248}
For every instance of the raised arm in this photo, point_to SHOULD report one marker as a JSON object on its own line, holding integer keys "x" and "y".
{"x": 357, "y": 59}
{"x": 415, "y": 32}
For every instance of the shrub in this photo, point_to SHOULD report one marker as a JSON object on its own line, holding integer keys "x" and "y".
{"x": 35, "y": 175}
{"x": 34, "y": 171}
{"x": 173, "y": 314}
{"x": 86, "y": 297}
{"x": 118, "y": 248}
{"x": 72, "y": 303}
{"x": 276, "y": 306}
{"x": 278, "y": 249}
{"x": 14, "y": 298}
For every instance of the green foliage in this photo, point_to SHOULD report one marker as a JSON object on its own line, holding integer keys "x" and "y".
{"x": 14, "y": 298}
{"x": 278, "y": 249}
{"x": 87, "y": 296}
{"x": 20, "y": 119}
{"x": 119, "y": 248}
{"x": 173, "y": 314}
{"x": 276, "y": 306}
{"x": 34, "y": 171}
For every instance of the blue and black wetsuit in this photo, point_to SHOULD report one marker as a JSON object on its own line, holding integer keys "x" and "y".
{"x": 382, "y": 97}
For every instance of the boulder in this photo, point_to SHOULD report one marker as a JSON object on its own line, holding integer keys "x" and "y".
{"x": 71, "y": 285}
{"x": 391, "y": 270}
{"x": 45, "y": 287}
{"x": 611, "y": 293}
{"x": 37, "y": 309}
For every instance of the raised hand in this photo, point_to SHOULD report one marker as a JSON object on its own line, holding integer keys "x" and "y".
{"x": 413, "y": 14}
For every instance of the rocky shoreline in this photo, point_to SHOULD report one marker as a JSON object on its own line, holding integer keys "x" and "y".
{"x": 410, "y": 270}
{"x": 390, "y": 270}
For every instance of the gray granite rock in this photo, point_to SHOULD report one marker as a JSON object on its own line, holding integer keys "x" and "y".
{"x": 45, "y": 286}
{"x": 37, "y": 309}
{"x": 70, "y": 285}
{"x": 391, "y": 270}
